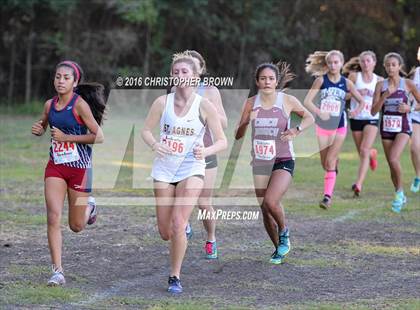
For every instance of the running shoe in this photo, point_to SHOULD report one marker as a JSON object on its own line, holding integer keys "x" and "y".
{"x": 174, "y": 285}
{"x": 189, "y": 231}
{"x": 93, "y": 212}
{"x": 398, "y": 202}
{"x": 325, "y": 203}
{"x": 211, "y": 249}
{"x": 276, "y": 258}
{"x": 373, "y": 159}
{"x": 356, "y": 190}
{"x": 57, "y": 278}
{"x": 415, "y": 186}
{"x": 284, "y": 243}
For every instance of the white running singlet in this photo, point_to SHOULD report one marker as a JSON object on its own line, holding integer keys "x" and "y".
{"x": 181, "y": 135}
{"x": 367, "y": 89}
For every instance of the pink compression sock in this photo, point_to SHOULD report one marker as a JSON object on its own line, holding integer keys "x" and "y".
{"x": 329, "y": 182}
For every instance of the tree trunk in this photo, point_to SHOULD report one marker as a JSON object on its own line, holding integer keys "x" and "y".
{"x": 11, "y": 72}
{"x": 29, "y": 66}
{"x": 241, "y": 59}
{"x": 146, "y": 63}
{"x": 67, "y": 35}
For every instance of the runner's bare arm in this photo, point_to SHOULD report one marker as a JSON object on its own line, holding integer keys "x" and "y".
{"x": 245, "y": 118}
{"x": 152, "y": 120}
{"x": 416, "y": 94}
{"x": 310, "y": 96}
{"x": 292, "y": 104}
{"x": 352, "y": 77}
{"x": 213, "y": 94}
{"x": 353, "y": 91}
{"x": 298, "y": 108}
{"x": 378, "y": 99}
{"x": 38, "y": 128}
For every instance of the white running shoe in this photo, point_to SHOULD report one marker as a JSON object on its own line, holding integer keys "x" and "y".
{"x": 57, "y": 278}
{"x": 93, "y": 212}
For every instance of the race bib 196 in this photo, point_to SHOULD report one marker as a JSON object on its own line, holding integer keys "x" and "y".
{"x": 392, "y": 123}
{"x": 264, "y": 149}
{"x": 64, "y": 152}
{"x": 176, "y": 144}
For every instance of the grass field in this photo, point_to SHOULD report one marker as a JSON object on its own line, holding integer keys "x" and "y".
{"x": 358, "y": 255}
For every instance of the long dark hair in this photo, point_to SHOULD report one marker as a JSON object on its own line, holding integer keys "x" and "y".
{"x": 93, "y": 93}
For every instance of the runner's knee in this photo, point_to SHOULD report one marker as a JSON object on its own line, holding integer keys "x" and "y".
{"x": 415, "y": 148}
{"x": 164, "y": 234}
{"x": 394, "y": 162}
{"x": 53, "y": 218}
{"x": 364, "y": 152}
{"x": 330, "y": 165}
{"x": 205, "y": 204}
{"x": 178, "y": 225}
{"x": 268, "y": 204}
{"x": 76, "y": 226}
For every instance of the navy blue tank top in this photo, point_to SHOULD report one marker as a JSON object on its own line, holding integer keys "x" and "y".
{"x": 69, "y": 123}
{"x": 333, "y": 101}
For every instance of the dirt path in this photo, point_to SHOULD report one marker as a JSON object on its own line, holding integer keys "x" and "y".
{"x": 121, "y": 261}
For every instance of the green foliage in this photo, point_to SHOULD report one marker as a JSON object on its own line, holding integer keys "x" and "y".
{"x": 139, "y": 37}
{"x": 139, "y": 11}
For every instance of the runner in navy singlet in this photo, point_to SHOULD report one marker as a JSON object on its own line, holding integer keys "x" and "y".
{"x": 73, "y": 116}
{"x": 331, "y": 128}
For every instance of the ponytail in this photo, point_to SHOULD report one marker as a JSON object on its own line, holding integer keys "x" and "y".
{"x": 94, "y": 95}
{"x": 410, "y": 74}
{"x": 353, "y": 65}
{"x": 316, "y": 64}
{"x": 285, "y": 74}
